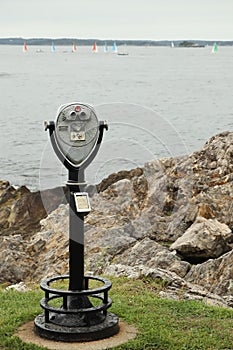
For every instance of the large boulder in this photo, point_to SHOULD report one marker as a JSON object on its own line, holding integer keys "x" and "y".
{"x": 203, "y": 240}
{"x": 21, "y": 210}
{"x": 15, "y": 264}
{"x": 151, "y": 254}
{"x": 215, "y": 274}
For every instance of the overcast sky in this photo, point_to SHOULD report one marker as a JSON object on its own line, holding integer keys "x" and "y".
{"x": 118, "y": 19}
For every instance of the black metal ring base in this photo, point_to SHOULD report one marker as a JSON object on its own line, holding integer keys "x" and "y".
{"x": 106, "y": 329}
{"x": 76, "y": 319}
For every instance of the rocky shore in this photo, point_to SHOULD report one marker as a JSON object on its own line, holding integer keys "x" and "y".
{"x": 170, "y": 220}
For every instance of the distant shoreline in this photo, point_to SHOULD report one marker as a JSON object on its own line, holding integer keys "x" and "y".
{"x": 87, "y": 42}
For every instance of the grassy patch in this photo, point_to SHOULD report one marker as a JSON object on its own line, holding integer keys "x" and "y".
{"x": 162, "y": 324}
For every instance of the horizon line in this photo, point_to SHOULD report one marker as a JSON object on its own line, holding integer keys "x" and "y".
{"x": 109, "y": 39}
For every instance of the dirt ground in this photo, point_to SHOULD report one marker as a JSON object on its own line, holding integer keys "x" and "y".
{"x": 126, "y": 333}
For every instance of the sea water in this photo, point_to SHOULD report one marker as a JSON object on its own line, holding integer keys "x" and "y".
{"x": 158, "y": 101}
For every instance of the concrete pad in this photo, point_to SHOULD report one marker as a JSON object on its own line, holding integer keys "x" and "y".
{"x": 126, "y": 333}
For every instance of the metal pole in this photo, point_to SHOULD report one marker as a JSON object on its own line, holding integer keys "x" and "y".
{"x": 76, "y": 234}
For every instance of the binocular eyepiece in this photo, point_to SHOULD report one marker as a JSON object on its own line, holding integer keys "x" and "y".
{"x": 82, "y": 115}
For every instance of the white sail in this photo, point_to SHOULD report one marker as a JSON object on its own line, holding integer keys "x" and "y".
{"x": 53, "y": 47}
{"x": 106, "y": 48}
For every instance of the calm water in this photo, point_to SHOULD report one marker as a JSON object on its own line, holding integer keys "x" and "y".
{"x": 159, "y": 102}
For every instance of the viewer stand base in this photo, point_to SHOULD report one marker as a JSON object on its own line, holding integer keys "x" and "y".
{"x": 106, "y": 329}
{"x": 76, "y": 320}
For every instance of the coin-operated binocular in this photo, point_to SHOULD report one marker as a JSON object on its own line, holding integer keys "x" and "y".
{"x": 76, "y": 136}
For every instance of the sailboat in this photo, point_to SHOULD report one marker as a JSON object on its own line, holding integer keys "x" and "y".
{"x": 53, "y": 47}
{"x": 25, "y": 49}
{"x": 214, "y": 48}
{"x": 95, "y": 48}
{"x": 172, "y": 44}
{"x": 114, "y": 48}
{"x": 124, "y": 51}
{"x": 106, "y": 48}
{"x": 74, "y": 47}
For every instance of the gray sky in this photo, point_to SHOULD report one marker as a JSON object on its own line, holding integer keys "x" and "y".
{"x": 118, "y": 19}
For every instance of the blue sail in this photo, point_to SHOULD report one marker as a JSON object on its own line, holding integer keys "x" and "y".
{"x": 114, "y": 48}
{"x": 106, "y": 48}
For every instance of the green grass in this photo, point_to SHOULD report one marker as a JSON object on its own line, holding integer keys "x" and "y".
{"x": 161, "y": 324}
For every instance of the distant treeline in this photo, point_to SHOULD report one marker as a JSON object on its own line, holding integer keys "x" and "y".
{"x": 88, "y": 42}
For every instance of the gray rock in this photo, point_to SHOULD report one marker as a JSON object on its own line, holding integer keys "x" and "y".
{"x": 172, "y": 286}
{"x": 150, "y": 254}
{"x": 205, "y": 239}
{"x": 19, "y": 287}
{"x": 15, "y": 265}
{"x": 215, "y": 274}
{"x": 21, "y": 210}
